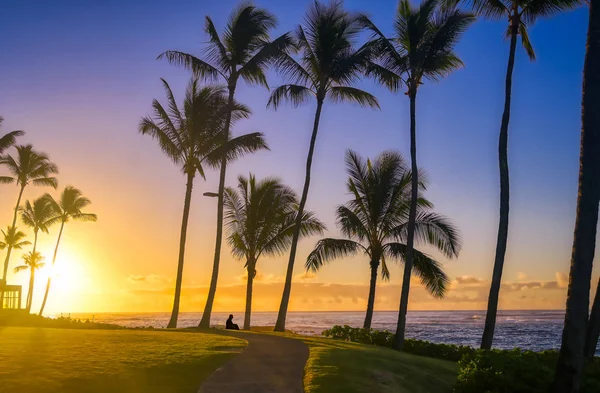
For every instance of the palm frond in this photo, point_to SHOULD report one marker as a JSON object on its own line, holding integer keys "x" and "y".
{"x": 237, "y": 147}
{"x": 534, "y": 9}
{"x": 429, "y": 271}
{"x": 352, "y": 94}
{"x": 271, "y": 53}
{"x": 9, "y": 139}
{"x": 526, "y": 42}
{"x": 329, "y": 249}
{"x": 295, "y": 94}
{"x": 199, "y": 67}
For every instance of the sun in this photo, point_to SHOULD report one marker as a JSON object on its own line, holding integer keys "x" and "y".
{"x": 68, "y": 273}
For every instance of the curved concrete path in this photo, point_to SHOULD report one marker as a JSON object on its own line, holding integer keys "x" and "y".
{"x": 269, "y": 364}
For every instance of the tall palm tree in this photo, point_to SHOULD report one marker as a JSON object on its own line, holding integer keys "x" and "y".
{"x": 244, "y": 50}
{"x": 375, "y": 223}
{"x": 329, "y": 65}
{"x": 571, "y": 356}
{"x": 7, "y": 140}
{"x": 260, "y": 217}
{"x": 67, "y": 208}
{"x": 421, "y": 48}
{"x": 593, "y": 329}
{"x": 39, "y": 216}
{"x": 29, "y": 167}
{"x": 192, "y": 136}
{"x": 33, "y": 261}
{"x": 520, "y": 15}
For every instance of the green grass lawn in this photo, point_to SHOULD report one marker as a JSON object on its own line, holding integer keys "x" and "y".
{"x": 336, "y": 366}
{"x": 44, "y": 360}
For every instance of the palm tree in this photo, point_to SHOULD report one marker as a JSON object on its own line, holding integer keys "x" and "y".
{"x": 33, "y": 262}
{"x": 375, "y": 223}
{"x": 39, "y": 216}
{"x": 520, "y": 15}
{"x": 422, "y": 48}
{"x": 13, "y": 238}
{"x": 244, "y": 50}
{"x": 29, "y": 167}
{"x": 191, "y": 137}
{"x": 7, "y": 140}
{"x": 67, "y": 208}
{"x": 260, "y": 217}
{"x": 329, "y": 65}
{"x": 571, "y": 356}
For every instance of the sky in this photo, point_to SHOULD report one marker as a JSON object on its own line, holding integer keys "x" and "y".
{"x": 78, "y": 76}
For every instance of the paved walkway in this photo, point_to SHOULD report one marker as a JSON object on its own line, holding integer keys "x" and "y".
{"x": 269, "y": 364}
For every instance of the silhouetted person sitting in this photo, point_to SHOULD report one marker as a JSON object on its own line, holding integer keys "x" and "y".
{"x": 230, "y": 325}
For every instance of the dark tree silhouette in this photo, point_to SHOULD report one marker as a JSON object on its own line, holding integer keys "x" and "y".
{"x": 571, "y": 356}
{"x": 328, "y": 67}
{"x": 375, "y": 222}
{"x": 244, "y": 50}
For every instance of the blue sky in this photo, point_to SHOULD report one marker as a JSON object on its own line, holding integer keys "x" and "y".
{"x": 77, "y": 76}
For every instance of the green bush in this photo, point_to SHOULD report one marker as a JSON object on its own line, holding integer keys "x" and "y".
{"x": 385, "y": 338}
{"x": 516, "y": 371}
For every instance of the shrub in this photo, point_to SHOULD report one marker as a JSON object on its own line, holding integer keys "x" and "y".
{"x": 385, "y": 338}
{"x": 516, "y": 371}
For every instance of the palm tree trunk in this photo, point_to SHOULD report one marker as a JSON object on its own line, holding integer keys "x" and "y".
{"x": 205, "y": 321}
{"x": 248, "y": 313}
{"x": 492, "y": 308}
{"x": 32, "y": 273}
{"x": 401, "y": 325}
{"x": 9, "y": 248}
{"x": 571, "y": 355}
{"x": 184, "y": 224}
{"x": 30, "y": 293}
{"x": 287, "y": 287}
{"x": 593, "y": 331}
{"x": 62, "y": 225}
{"x": 371, "y": 301}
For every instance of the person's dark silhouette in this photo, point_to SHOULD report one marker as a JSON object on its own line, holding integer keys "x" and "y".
{"x": 230, "y": 325}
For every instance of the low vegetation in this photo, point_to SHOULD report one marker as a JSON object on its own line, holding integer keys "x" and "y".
{"x": 490, "y": 371}
{"x": 119, "y": 361}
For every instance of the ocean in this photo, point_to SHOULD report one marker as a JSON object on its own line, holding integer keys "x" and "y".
{"x": 532, "y": 330}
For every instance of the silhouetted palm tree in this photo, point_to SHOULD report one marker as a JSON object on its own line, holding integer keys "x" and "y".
{"x": 191, "y": 137}
{"x": 422, "y": 48}
{"x": 67, "y": 208}
{"x": 8, "y": 139}
{"x": 39, "y": 216}
{"x": 520, "y": 15}
{"x": 375, "y": 222}
{"x": 571, "y": 357}
{"x": 244, "y": 50}
{"x": 328, "y": 67}
{"x": 13, "y": 238}
{"x": 29, "y": 167}
{"x": 261, "y": 218}
{"x": 33, "y": 262}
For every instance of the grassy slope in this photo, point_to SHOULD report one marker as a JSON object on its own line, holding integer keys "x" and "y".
{"x": 92, "y": 361}
{"x": 337, "y": 366}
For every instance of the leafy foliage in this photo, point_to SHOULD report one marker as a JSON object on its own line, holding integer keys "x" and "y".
{"x": 329, "y": 63}
{"x": 385, "y": 338}
{"x": 516, "y": 371}
{"x": 375, "y": 221}
{"x": 422, "y": 46}
{"x": 13, "y": 238}
{"x": 69, "y": 206}
{"x": 29, "y": 167}
{"x": 193, "y": 135}
{"x": 260, "y": 216}
{"x": 8, "y": 139}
